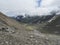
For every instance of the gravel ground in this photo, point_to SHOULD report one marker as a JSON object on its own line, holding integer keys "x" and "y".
{"x": 24, "y": 37}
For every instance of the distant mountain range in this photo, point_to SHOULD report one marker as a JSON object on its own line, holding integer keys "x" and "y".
{"x": 52, "y": 22}
{"x": 34, "y": 19}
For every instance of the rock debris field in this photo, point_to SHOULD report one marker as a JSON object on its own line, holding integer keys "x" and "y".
{"x": 23, "y": 37}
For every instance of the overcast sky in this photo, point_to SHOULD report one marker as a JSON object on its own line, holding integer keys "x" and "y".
{"x": 16, "y": 7}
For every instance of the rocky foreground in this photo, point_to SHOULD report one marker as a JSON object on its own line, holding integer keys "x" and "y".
{"x": 23, "y": 37}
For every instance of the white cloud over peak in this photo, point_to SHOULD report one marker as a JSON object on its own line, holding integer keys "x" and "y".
{"x": 14, "y": 7}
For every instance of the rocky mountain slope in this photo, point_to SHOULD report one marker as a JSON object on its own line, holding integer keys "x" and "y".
{"x": 15, "y": 33}
{"x": 33, "y": 19}
{"x": 9, "y": 22}
{"x": 54, "y": 25}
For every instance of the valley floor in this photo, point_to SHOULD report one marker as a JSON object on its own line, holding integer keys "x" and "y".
{"x": 33, "y": 37}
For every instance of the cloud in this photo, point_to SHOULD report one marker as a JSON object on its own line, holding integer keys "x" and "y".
{"x": 17, "y": 5}
{"x": 14, "y": 7}
{"x": 46, "y": 3}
